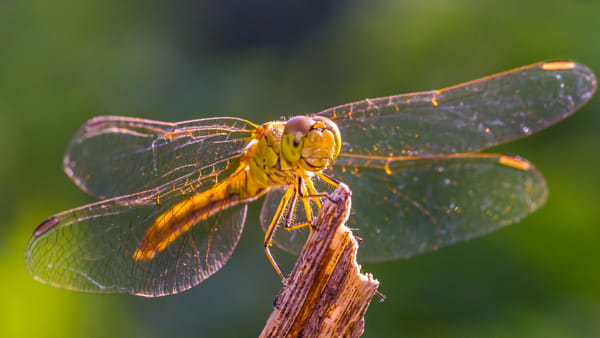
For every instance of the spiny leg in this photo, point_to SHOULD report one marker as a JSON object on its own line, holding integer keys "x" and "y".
{"x": 300, "y": 190}
{"x": 312, "y": 191}
{"x": 307, "y": 192}
{"x": 271, "y": 229}
{"x": 291, "y": 209}
{"x": 305, "y": 201}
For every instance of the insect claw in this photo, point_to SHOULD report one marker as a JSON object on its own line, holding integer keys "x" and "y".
{"x": 328, "y": 196}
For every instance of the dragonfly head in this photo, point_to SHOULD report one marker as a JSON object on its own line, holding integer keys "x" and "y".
{"x": 311, "y": 143}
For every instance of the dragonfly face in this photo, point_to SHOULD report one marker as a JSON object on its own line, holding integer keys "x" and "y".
{"x": 174, "y": 195}
{"x": 309, "y": 143}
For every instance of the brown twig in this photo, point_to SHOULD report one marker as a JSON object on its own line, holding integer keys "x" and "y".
{"x": 326, "y": 295}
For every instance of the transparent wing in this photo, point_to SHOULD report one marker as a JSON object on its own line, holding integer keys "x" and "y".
{"x": 114, "y": 155}
{"x": 465, "y": 118}
{"x": 91, "y": 248}
{"x": 408, "y": 207}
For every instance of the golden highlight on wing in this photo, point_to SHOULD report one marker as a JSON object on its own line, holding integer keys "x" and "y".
{"x": 91, "y": 248}
{"x": 114, "y": 155}
{"x": 468, "y": 117}
{"x": 177, "y": 193}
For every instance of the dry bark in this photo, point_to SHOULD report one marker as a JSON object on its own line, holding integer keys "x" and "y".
{"x": 325, "y": 295}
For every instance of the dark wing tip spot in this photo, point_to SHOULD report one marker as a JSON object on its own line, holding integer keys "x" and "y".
{"x": 45, "y": 226}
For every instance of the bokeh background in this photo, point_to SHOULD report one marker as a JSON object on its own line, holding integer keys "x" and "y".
{"x": 62, "y": 62}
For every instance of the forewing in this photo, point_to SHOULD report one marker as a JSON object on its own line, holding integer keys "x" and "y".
{"x": 407, "y": 207}
{"x": 114, "y": 155}
{"x": 91, "y": 248}
{"x": 465, "y": 118}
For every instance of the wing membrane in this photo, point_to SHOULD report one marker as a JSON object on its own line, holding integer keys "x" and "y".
{"x": 91, "y": 248}
{"x": 465, "y": 118}
{"x": 113, "y": 155}
{"x": 408, "y": 207}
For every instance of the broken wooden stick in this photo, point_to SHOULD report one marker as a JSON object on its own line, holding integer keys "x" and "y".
{"x": 325, "y": 295}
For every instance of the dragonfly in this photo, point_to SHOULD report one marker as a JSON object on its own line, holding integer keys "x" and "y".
{"x": 174, "y": 196}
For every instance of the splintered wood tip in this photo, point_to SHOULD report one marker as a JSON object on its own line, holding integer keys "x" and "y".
{"x": 326, "y": 294}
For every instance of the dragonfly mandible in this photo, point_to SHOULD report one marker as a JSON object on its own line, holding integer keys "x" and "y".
{"x": 174, "y": 196}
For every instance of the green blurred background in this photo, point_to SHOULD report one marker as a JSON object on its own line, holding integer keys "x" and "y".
{"x": 62, "y": 62}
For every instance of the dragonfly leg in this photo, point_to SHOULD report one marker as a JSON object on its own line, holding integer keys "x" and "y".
{"x": 287, "y": 197}
{"x": 291, "y": 209}
{"x": 298, "y": 190}
{"x": 313, "y": 191}
{"x": 297, "y": 226}
{"x": 313, "y": 194}
{"x": 328, "y": 179}
{"x": 305, "y": 201}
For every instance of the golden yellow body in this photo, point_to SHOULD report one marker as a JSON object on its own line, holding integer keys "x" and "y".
{"x": 175, "y": 195}
{"x": 279, "y": 154}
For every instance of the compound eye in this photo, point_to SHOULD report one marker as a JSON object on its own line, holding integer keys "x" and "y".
{"x": 297, "y": 127}
{"x": 293, "y": 136}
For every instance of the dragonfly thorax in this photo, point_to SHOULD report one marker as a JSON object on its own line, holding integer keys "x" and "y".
{"x": 310, "y": 143}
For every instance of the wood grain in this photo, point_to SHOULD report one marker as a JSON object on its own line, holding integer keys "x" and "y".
{"x": 325, "y": 295}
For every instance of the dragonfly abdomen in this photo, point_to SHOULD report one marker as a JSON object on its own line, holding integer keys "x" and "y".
{"x": 182, "y": 216}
